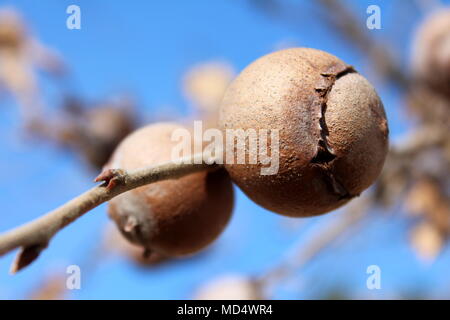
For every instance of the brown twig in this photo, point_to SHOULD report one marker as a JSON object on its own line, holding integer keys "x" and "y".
{"x": 34, "y": 236}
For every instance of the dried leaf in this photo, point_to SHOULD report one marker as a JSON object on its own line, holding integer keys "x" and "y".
{"x": 205, "y": 84}
{"x": 52, "y": 288}
{"x": 425, "y": 198}
{"x": 20, "y": 55}
{"x": 26, "y": 256}
{"x": 420, "y": 198}
{"x": 427, "y": 241}
{"x": 230, "y": 287}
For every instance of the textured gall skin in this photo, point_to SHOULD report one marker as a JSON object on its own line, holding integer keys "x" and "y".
{"x": 332, "y": 127}
{"x": 174, "y": 217}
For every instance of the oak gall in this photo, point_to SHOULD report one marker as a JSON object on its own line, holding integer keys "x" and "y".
{"x": 333, "y": 134}
{"x": 175, "y": 217}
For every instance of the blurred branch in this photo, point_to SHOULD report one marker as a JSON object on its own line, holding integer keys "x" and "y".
{"x": 91, "y": 130}
{"x": 35, "y": 236}
{"x": 53, "y": 285}
{"x": 427, "y": 5}
{"x": 402, "y": 152}
{"x": 354, "y": 30}
{"x": 417, "y": 141}
{"x": 323, "y": 239}
{"x": 344, "y": 21}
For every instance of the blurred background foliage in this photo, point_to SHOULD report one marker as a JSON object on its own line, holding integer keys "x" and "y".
{"x": 67, "y": 97}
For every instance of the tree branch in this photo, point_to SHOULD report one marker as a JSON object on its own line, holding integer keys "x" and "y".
{"x": 34, "y": 236}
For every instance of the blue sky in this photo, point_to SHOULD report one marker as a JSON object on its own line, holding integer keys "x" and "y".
{"x": 144, "y": 47}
